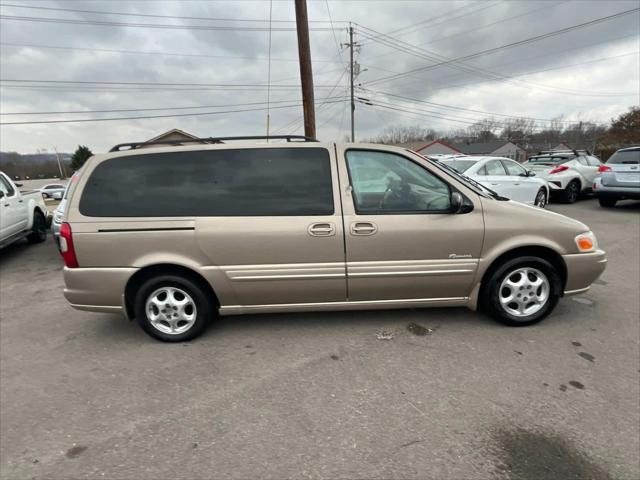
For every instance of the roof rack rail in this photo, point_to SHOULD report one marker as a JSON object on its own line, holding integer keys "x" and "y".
{"x": 209, "y": 140}
{"x": 573, "y": 151}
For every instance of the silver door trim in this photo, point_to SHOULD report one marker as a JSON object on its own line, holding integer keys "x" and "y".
{"x": 347, "y": 305}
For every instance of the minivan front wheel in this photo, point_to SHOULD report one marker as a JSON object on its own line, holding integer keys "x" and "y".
{"x": 522, "y": 291}
{"x": 172, "y": 308}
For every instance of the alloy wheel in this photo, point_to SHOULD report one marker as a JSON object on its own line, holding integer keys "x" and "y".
{"x": 524, "y": 291}
{"x": 171, "y": 310}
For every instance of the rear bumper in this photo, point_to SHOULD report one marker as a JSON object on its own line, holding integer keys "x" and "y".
{"x": 600, "y": 190}
{"x": 96, "y": 289}
{"x": 583, "y": 269}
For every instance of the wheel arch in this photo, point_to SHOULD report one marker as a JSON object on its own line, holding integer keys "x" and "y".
{"x": 36, "y": 209}
{"x": 150, "y": 271}
{"x": 545, "y": 252}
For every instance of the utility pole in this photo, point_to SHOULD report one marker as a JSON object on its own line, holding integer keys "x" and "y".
{"x": 306, "y": 73}
{"x": 63, "y": 173}
{"x": 353, "y": 104}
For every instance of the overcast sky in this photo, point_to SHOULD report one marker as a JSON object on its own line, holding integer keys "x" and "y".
{"x": 587, "y": 73}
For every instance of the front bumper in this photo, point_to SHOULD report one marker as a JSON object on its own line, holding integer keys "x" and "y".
{"x": 583, "y": 269}
{"x": 96, "y": 289}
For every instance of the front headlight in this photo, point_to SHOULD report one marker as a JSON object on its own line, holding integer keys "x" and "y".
{"x": 586, "y": 242}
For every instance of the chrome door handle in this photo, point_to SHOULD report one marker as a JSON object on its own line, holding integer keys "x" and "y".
{"x": 363, "y": 228}
{"x": 322, "y": 229}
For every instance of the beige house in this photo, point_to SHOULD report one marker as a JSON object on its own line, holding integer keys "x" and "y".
{"x": 175, "y": 134}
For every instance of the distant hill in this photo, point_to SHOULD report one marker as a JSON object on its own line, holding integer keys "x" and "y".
{"x": 34, "y": 165}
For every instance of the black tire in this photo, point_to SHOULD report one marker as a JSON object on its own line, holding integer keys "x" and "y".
{"x": 39, "y": 229}
{"x": 203, "y": 305}
{"x": 607, "y": 202}
{"x": 490, "y": 294}
{"x": 571, "y": 193}
{"x": 541, "y": 199}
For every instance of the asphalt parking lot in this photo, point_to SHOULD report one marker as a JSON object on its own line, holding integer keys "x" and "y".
{"x": 451, "y": 395}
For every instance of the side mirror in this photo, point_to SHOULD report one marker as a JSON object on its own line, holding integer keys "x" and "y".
{"x": 531, "y": 173}
{"x": 19, "y": 185}
{"x": 460, "y": 204}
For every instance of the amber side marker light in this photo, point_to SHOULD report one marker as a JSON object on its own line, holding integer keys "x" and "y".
{"x": 586, "y": 242}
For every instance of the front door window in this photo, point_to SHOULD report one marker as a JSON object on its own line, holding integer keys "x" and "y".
{"x": 386, "y": 183}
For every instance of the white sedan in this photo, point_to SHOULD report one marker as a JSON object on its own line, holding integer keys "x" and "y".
{"x": 504, "y": 176}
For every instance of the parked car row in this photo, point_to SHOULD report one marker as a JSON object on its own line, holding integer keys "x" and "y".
{"x": 562, "y": 175}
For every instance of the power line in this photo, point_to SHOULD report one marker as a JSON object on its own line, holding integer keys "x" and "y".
{"x": 120, "y": 110}
{"x": 177, "y": 54}
{"x": 439, "y": 115}
{"x": 148, "y": 15}
{"x": 335, "y": 39}
{"x": 322, "y": 104}
{"x": 430, "y": 21}
{"x": 106, "y": 23}
{"x": 269, "y": 68}
{"x": 453, "y": 107}
{"x": 479, "y": 71}
{"x": 533, "y": 72}
{"x": 82, "y": 120}
{"x": 91, "y": 82}
{"x": 507, "y": 46}
{"x": 545, "y": 7}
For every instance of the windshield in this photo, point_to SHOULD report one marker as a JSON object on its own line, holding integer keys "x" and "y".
{"x": 547, "y": 160}
{"x": 626, "y": 156}
{"x": 460, "y": 165}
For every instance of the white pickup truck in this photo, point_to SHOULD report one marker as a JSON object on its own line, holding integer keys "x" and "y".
{"x": 22, "y": 214}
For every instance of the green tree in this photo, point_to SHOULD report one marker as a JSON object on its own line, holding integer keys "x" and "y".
{"x": 80, "y": 156}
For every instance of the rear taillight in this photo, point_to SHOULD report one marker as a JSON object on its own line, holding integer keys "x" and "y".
{"x": 559, "y": 169}
{"x": 66, "y": 246}
{"x": 604, "y": 168}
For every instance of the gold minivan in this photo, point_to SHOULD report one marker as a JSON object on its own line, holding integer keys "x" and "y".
{"x": 173, "y": 235}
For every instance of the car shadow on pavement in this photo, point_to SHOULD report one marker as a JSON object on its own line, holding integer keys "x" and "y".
{"x": 10, "y": 251}
{"x": 116, "y": 328}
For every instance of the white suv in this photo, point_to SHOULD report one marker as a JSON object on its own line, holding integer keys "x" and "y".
{"x": 569, "y": 173}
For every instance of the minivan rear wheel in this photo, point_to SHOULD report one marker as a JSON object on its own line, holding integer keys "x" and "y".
{"x": 522, "y": 291}
{"x": 172, "y": 308}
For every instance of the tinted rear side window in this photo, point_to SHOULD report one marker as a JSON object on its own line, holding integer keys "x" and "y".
{"x": 248, "y": 182}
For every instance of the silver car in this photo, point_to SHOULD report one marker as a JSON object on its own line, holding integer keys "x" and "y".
{"x": 48, "y": 191}
{"x": 58, "y": 213}
{"x": 619, "y": 178}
